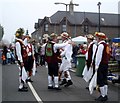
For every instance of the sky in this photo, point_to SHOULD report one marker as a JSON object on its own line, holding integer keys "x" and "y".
{"x": 24, "y": 13}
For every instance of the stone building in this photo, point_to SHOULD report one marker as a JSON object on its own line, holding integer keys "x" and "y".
{"x": 77, "y": 23}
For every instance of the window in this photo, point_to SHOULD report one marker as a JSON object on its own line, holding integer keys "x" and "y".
{"x": 86, "y": 29}
{"x": 64, "y": 28}
{"x": 46, "y": 27}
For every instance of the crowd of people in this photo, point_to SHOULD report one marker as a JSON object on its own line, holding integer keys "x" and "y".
{"x": 7, "y": 56}
{"x": 58, "y": 58}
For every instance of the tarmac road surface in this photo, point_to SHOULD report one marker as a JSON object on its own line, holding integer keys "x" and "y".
{"x": 38, "y": 91}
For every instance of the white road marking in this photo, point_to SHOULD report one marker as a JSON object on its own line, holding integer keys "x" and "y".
{"x": 39, "y": 100}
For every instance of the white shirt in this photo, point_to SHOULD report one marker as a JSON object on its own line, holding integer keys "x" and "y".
{"x": 18, "y": 50}
{"x": 99, "y": 54}
{"x": 42, "y": 51}
{"x": 56, "y": 46}
{"x": 93, "y": 49}
{"x": 68, "y": 51}
{"x": 25, "y": 42}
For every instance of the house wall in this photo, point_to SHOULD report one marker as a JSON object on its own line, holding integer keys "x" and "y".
{"x": 111, "y": 32}
{"x": 75, "y": 30}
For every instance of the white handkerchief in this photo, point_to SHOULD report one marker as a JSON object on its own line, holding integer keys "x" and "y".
{"x": 24, "y": 74}
{"x": 34, "y": 68}
{"x": 93, "y": 83}
{"x": 88, "y": 75}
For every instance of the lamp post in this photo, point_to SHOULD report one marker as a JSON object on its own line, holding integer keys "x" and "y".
{"x": 66, "y": 10}
{"x": 99, "y": 3}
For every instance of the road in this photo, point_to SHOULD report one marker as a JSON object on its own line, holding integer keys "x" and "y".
{"x": 38, "y": 91}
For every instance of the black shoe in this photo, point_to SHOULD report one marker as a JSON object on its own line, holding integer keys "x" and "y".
{"x": 63, "y": 82}
{"x": 57, "y": 88}
{"x": 50, "y": 87}
{"x": 25, "y": 87}
{"x": 87, "y": 88}
{"x": 94, "y": 88}
{"x": 106, "y": 98}
{"x": 101, "y": 98}
{"x": 22, "y": 90}
{"x": 68, "y": 83}
{"x": 29, "y": 80}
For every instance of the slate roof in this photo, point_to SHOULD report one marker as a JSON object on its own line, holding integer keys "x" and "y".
{"x": 78, "y": 18}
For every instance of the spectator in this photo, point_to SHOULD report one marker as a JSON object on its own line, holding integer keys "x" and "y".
{"x": 5, "y": 53}
{"x": 75, "y": 52}
{"x": 12, "y": 57}
{"x": 36, "y": 54}
{"x": 117, "y": 54}
{"x": 114, "y": 46}
{"x": 9, "y": 57}
{"x": 42, "y": 53}
{"x": 3, "y": 59}
{"x": 82, "y": 49}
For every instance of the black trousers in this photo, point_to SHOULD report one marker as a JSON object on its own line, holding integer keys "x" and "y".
{"x": 29, "y": 65}
{"x": 53, "y": 69}
{"x": 102, "y": 75}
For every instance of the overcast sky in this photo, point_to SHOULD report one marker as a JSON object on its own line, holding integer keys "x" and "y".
{"x": 24, "y": 13}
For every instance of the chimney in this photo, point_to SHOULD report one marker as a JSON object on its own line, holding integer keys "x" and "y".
{"x": 71, "y": 7}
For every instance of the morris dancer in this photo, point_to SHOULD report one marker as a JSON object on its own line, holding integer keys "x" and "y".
{"x": 21, "y": 56}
